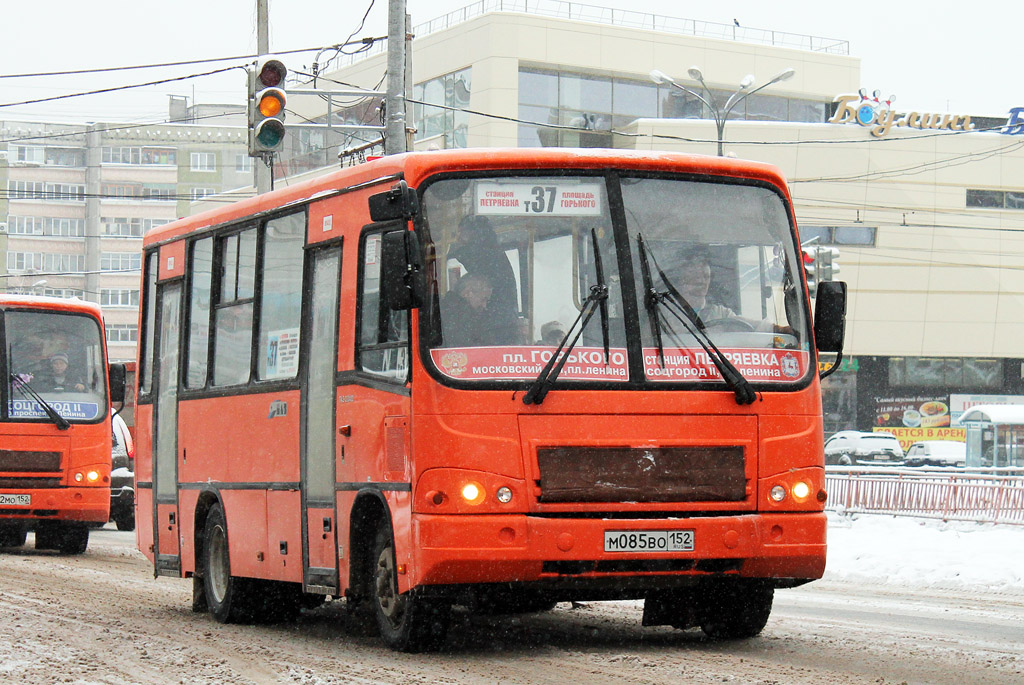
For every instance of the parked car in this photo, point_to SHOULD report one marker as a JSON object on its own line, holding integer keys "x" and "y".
{"x": 122, "y": 476}
{"x": 937, "y": 453}
{"x": 848, "y": 448}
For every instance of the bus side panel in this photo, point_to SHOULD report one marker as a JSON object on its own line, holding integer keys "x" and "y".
{"x": 246, "y": 514}
{"x": 167, "y": 519}
{"x": 794, "y": 441}
{"x": 345, "y": 499}
{"x": 400, "y": 504}
{"x": 284, "y": 536}
{"x": 144, "y": 521}
{"x": 187, "y": 500}
{"x": 244, "y": 440}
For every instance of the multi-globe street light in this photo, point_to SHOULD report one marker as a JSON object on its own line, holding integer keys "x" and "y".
{"x": 721, "y": 114}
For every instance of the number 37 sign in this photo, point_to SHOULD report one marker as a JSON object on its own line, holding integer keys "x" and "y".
{"x": 539, "y": 199}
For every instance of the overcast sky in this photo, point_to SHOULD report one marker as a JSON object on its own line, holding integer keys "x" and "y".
{"x": 936, "y": 56}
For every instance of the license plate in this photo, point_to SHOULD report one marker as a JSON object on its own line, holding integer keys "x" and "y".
{"x": 16, "y": 500}
{"x": 648, "y": 541}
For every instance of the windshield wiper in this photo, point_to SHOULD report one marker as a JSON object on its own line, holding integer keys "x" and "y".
{"x": 597, "y": 300}
{"x": 20, "y": 383}
{"x": 676, "y": 304}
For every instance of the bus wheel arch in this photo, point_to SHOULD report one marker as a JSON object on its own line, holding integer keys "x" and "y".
{"x": 230, "y": 598}
{"x": 207, "y": 498}
{"x": 369, "y": 512}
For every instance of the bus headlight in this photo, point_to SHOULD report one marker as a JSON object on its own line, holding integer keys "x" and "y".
{"x": 473, "y": 493}
{"x": 801, "y": 491}
{"x": 504, "y": 495}
{"x": 777, "y": 493}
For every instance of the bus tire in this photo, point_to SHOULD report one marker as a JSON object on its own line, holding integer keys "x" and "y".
{"x": 737, "y": 609}
{"x": 407, "y": 622}
{"x": 13, "y": 536}
{"x": 73, "y": 539}
{"x": 229, "y": 598}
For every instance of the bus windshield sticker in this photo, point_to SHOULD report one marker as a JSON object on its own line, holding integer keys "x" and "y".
{"x": 30, "y": 409}
{"x": 283, "y": 353}
{"x": 757, "y": 366}
{"x": 543, "y": 199}
{"x": 525, "y": 362}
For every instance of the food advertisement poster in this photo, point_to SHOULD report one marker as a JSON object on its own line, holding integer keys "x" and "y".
{"x": 916, "y": 411}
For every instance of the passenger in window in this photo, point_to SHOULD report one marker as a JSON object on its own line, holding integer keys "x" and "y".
{"x": 468, "y": 322}
{"x": 478, "y": 249}
{"x": 551, "y": 333}
{"x": 58, "y": 378}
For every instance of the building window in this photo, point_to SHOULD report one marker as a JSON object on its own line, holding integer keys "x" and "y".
{"x": 119, "y": 297}
{"x": 120, "y": 261}
{"x": 24, "y": 261}
{"x": 138, "y": 155}
{"x": 204, "y": 161}
{"x": 243, "y": 164}
{"x": 995, "y": 199}
{"x": 122, "y": 332}
{"x": 449, "y": 126}
{"x": 63, "y": 263}
{"x": 121, "y": 227}
{"x": 37, "y": 190}
{"x": 945, "y": 372}
{"x": 200, "y": 193}
{"x": 863, "y": 236}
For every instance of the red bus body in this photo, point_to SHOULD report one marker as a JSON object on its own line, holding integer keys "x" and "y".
{"x": 404, "y": 452}
{"x": 52, "y": 480}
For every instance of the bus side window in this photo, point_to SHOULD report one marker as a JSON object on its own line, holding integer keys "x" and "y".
{"x": 145, "y": 371}
{"x": 383, "y": 332}
{"x": 281, "y": 299}
{"x": 198, "y": 352}
{"x": 232, "y": 343}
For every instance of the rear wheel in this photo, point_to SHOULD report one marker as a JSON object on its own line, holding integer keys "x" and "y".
{"x": 737, "y": 609}
{"x": 407, "y": 622}
{"x": 229, "y": 598}
{"x": 12, "y": 536}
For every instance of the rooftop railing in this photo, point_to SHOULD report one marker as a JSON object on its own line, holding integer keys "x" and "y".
{"x": 576, "y": 11}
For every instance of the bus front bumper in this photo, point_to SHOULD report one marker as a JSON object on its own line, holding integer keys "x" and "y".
{"x": 467, "y": 549}
{"x": 85, "y": 504}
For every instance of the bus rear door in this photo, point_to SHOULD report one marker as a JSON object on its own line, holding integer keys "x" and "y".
{"x": 167, "y": 556}
{"x": 319, "y": 514}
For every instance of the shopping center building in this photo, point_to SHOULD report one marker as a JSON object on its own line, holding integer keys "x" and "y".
{"x": 926, "y": 208}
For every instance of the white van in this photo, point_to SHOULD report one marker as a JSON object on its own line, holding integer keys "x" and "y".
{"x": 937, "y": 453}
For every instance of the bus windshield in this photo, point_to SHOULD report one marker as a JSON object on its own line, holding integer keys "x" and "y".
{"x": 511, "y": 261}
{"x": 57, "y": 356}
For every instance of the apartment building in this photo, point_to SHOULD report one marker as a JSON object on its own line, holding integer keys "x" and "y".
{"x": 80, "y": 197}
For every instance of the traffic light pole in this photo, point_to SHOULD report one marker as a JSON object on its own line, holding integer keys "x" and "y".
{"x": 262, "y": 172}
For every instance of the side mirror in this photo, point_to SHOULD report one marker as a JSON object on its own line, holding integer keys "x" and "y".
{"x": 401, "y": 202}
{"x": 830, "y": 316}
{"x": 400, "y": 271}
{"x": 117, "y": 374}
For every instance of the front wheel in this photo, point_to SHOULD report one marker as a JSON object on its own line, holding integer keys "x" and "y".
{"x": 125, "y": 520}
{"x": 737, "y": 610}
{"x": 407, "y": 622}
{"x": 12, "y": 536}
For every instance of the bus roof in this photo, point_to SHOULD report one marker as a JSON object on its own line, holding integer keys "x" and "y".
{"x": 415, "y": 166}
{"x": 51, "y": 303}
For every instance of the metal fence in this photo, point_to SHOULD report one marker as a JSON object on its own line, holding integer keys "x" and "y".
{"x": 988, "y": 496}
{"x": 627, "y": 18}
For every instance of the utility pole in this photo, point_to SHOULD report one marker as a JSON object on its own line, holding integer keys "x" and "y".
{"x": 93, "y": 160}
{"x": 262, "y": 172}
{"x": 394, "y": 126}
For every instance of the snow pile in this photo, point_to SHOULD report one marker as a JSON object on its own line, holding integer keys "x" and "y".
{"x": 903, "y": 551}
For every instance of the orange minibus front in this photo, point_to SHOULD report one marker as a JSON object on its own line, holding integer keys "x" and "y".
{"x": 55, "y": 438}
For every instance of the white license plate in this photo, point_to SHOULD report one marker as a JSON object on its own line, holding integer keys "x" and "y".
{"x": 16, "y": 500}
{"x": 648, "y": 541}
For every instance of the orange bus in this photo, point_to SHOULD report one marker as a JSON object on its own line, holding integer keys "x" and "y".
{"x": 491, "y": 378}
{"x": 55, "y": 438}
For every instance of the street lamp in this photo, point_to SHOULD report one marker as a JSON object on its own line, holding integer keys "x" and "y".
{"x": 721, "y": 114}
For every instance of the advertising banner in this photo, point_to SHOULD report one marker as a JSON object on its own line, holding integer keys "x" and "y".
{"x": 959, "y": 403}
{"x": 908, "y": 436}
{"x": 916, "y": 411}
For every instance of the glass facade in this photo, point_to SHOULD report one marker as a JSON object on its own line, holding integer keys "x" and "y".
{"x": 450, "y": 126}
{"x": 595, "y": 105}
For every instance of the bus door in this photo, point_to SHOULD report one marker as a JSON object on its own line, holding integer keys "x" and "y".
{"x": 167, "y": 555}
{"x": 319, "y": 512}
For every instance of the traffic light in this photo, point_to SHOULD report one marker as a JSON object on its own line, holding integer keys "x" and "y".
{"x": 266, "y": 107}
{"x": 811, "y": 267}
{"x": 828, "y": 263}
